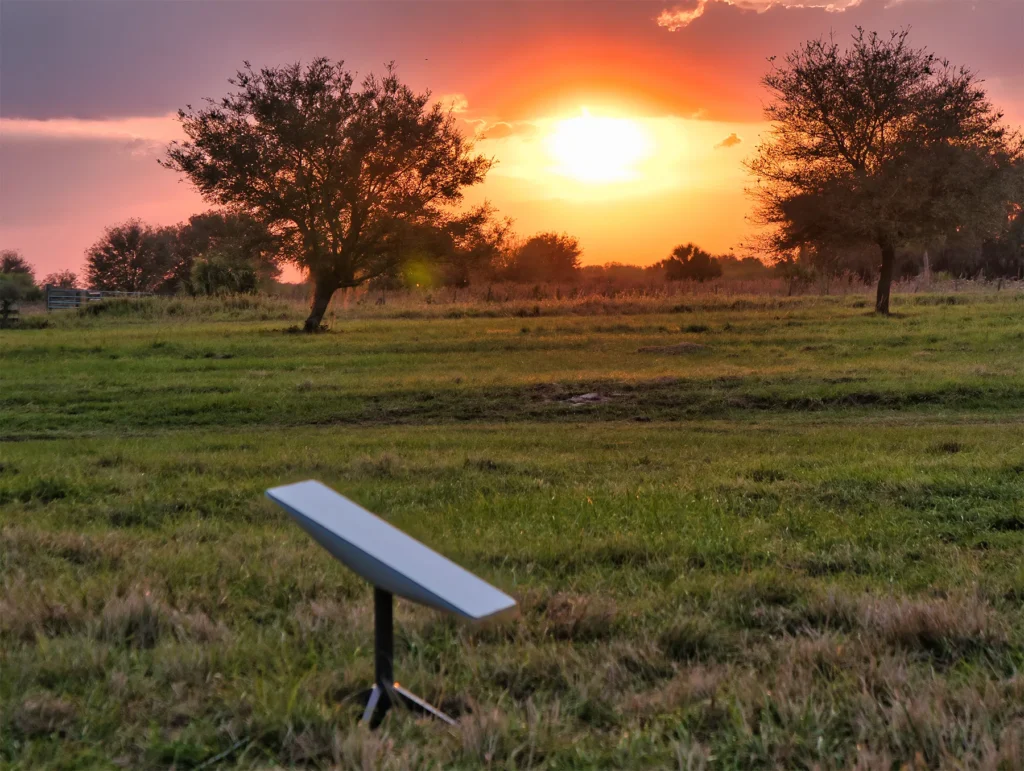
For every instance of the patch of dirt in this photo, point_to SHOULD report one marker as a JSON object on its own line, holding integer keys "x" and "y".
{"x": 676, "y": 349}
{"x": 591, "y": 398}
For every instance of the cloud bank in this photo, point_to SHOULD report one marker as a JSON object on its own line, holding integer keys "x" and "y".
{"x": 681, "y": 15}
{"x": 152, "y": 129}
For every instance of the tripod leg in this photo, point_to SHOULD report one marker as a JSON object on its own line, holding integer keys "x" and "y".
{"x": 373, "y": 705}
{"x": 416, "y": 704}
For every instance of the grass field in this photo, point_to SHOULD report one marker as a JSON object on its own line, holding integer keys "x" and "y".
{"x": 784, "y": 533}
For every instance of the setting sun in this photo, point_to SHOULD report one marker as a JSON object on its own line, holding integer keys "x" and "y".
{"x": 598, "y": 149}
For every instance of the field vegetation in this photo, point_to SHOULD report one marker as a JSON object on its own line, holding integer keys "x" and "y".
{"x": 744, "y": 531}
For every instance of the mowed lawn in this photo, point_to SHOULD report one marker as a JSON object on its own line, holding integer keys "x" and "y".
{"x": 776, "y": 534}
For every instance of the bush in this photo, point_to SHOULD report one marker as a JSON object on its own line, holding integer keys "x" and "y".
{"x": 215, "y": 274}
{"x": 17, "y": 279}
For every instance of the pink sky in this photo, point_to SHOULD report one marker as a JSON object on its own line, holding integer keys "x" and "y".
{"x": 87, "y": 90}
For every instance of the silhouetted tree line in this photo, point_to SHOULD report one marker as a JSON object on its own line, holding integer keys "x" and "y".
{"x": 959, "y": 256}
{"x": 879, "y": 154}
{"x": 492, "y": 252}
{"x": 224, "y": 253}
{"x": 213, "y": 253}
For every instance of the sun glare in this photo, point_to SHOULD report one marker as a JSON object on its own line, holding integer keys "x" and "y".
{"x": 596, "y": 149}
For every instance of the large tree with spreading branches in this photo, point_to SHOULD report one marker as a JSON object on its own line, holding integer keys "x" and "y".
{"x": 881, "y": 143}
{"x": 340, "y": 173}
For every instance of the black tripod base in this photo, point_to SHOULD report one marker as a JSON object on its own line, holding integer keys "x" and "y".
{"x": 381, "y": 698}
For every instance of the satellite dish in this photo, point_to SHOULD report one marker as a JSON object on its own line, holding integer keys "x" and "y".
{"x": 396, "y": 564}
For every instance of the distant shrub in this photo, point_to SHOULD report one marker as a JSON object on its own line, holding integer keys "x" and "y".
{"x": 252, "y": 307}
{"x": 63, "y": 279}
{"x": 688, "y": 262}
{"x": 217, "y": 274}
{"x": 33, "y": 322}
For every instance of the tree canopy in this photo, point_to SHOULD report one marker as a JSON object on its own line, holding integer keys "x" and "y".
{"x": 881, "y": 143}
{"x": 546, "y": 257}
{"x": 12, "y": 262}
{"x": 223, "y": 252}
{"x": 17, "y": 277}
{"x": 339, "y": 173}
{"x": 136, "y": 257}
{"x": 131, "y": 257}
{"x": 65, "y": 279}
{"x": 689, "y": 262}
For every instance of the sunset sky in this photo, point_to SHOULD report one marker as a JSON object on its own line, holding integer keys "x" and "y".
{"x": 623, "y": 123}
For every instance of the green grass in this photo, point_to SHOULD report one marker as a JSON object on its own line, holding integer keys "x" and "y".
{"x": 799, "y": 545}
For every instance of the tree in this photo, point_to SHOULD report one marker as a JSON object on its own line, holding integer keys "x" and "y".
{"x": 131, "y": 257}
{"x": 232, "y": 246}
{"x": 12, "y": 262}
{"x": 473, "y": 243}
{"x": 1003, "y": 257}
{"x": 65, "y": 279}
{"x": 17, "y": 277}
{"x": 881, "y": 144}
{"x": 747, "y": 268}
{"x": 449, "y": 251}
{"x": 546, "y": 257}
{"x": 689, "y": 262}
{"x": 339, "y": 173}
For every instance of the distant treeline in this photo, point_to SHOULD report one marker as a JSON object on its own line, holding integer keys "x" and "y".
{"x": 882, "y": 161}
{"x": 212, "y": 253}
{"x": 993, "y": 258}
{"x": 219, "y": 253}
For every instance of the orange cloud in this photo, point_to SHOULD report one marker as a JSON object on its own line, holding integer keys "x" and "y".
{"x": 730, "y": 141}
{"x": 158, "y": 129}
{"x": 504, "y": 129}
{"x": 458, "y": 103}
{"x": 681, "y": 15}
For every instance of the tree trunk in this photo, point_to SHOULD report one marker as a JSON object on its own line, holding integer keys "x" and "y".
{"x": 885, "y": 276}
{"x": 323, "y": 291}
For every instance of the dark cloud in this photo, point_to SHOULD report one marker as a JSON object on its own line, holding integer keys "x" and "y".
{"x": 730, "y": 141}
